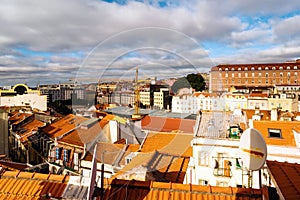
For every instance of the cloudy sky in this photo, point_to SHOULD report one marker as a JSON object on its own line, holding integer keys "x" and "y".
{"x": 88, "y": 40}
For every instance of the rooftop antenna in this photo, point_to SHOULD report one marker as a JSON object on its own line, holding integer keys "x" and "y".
{"x": 253, "y": 152}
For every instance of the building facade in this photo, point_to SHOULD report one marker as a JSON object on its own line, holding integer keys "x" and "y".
{"x": 224, "y": 76}
{"x": 22, "y": 95}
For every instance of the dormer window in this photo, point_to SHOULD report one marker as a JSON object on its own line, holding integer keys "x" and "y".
{"x": 295, "y": 67}
{"x": 267, "y": 68}
{"x": 252, "y": 68}
{"x": 288, "y": 67}
{"x": 274, "y": 133}
{"x": 239, "y": 69}
{"x": 274, "y": 68}
{"x": 226, "y": 69}
{"x": 281, "y": 68}
{"x": 220, "y": 69}
{"x": 259, "y": 68}
{"x": 246, "y": 68}
{"x": 232, "y": 69}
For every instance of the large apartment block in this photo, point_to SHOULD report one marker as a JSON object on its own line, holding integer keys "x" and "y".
{"x": 223, "y": 77}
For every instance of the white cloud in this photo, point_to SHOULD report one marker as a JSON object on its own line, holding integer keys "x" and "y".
{"x": 70, "y": 29}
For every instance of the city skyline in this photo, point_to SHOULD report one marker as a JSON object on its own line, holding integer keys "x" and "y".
{"x": 46, "y": 43}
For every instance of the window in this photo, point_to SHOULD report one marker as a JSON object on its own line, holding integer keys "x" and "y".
{"x": 203, "y": 182}
{"x": 259, "y": 68}
{"x": 281, "y": 68}
{"x": 239, "y": 69}
{"x": 274, "y": 133}
{"x": 295, "y": 67}
{"x": 288, "y": 67}
{"x": 203, "y": 159}
{"x": 267, "y": 68}
{"x": 66, "y": 155}
{"x": 246, "y": 68}
{"x": 58, "y": 153}
{"x": 252, "y": 68}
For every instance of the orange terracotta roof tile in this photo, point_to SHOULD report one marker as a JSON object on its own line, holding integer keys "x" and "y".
{"x": 165, "y": 155}
{"x": 18, "y": 117}
{"x": 262, "y": 95}
{"x": 286, "y": 177}
{"x": 26, "y": 185}
{"x": 163, "y": 124}
{"x": 172, "y": 143}
{"x": 63, "y": 125}
{"x": 265, "y": 114}
{"x": 286, "y": 128}
{"x": 29, "y": 129}
{"x": 147, "y": 190}
{"x": 160, "y": 167}
{"x": 80, "y": 136}
{"x": 106, "y": 152}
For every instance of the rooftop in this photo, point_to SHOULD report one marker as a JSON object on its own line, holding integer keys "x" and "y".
{"x": 63, "y": 125}
{"x": 118, "y": 189}
{"x": 26, "y": 185}
{"x": 286, "y": 177}
{"x": 163, "y": 124}
{"x": 88, "y": 133}
{"x": 284, "y": 128}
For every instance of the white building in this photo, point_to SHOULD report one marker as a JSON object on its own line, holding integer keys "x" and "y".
{"x": 21, "y": 95}
{"x": 216, "y": 158}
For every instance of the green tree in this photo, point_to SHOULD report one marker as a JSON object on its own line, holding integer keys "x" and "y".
{"x": 195, "y": 81}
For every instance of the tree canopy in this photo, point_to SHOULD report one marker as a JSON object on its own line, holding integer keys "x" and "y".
{"x": 195, "y": 81}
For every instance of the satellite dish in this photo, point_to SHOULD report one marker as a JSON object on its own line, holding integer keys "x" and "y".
{"x": 253, "y": 149}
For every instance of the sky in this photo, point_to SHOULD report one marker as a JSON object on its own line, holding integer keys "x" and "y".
{"x": 46, "y": 42}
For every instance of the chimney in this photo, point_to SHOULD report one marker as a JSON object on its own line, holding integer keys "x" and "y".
{"x": 274, "y": 114}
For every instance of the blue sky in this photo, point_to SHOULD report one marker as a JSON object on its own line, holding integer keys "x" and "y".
{"x": 86, "y": 40}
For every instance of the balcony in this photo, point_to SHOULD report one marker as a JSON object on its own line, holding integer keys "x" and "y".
{"x": 224, "y": 172}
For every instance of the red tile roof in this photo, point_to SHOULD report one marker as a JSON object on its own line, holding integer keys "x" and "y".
{"x": 148, "y": 190}
{"x": 286, "y": 177}
{"x": 163, "y": 124}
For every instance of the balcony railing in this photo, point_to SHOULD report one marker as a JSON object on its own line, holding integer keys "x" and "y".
{"x": 225, "y": 172}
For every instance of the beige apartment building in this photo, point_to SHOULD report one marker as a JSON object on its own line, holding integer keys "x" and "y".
{"x": 225, "y": 76}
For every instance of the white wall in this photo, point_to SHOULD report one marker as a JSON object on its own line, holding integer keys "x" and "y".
{"x": 33, "y": 100}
